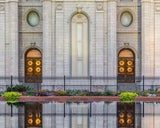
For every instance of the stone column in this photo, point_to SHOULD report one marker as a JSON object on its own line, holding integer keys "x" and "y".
{"x": 13, "y": 35}
{"x": 47, "y": 43}
{"x": 147, "y": 120}
{"x": 2, "y": 114}
{"x": 146, "y": 54}
{"x": 112, "y": 115}
{"x": 99, "y": 42}
{"x": 2, "y": 44}
{"x": 46, "y": 118}
{"x": 112, "y": 42}
{"x": 59, "y": 35}
{"x": 157, "y": 44}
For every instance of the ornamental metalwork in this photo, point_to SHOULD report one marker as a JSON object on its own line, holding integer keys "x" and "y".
{"x": 126, "y": 67}
{"x": 33, "y": 66}
{"x": 33, "y": 116}
{"x": 126, "y": 115}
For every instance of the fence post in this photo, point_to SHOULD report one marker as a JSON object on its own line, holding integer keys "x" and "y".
{"x": 117, "y": 84}
{"x": 11, "y": 82}
{"x": 90, "y": 84}
{"x": 143, "y": 83}
{"x": 64, "y": 82}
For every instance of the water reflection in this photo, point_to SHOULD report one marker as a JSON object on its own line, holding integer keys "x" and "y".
{"x": 80, "y": 115}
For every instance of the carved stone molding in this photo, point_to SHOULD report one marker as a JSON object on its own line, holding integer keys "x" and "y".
{"x": 2, "y": 8}
{"x": 99, "y": 6}
{"x": 79, "y": 18}
{"x": 157, "y": 8}
{"x": 59, "y": 6}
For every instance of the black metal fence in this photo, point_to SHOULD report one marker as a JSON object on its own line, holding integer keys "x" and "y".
{"x": 89, "y": 82}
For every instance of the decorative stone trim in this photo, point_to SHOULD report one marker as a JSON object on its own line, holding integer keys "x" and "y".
{"x": 2, "y": 8}
{"x": 59, "y": 6}
{"x": 99, "y": 6}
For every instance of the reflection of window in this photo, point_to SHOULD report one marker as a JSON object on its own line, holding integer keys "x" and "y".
{"x": 126, "y": 115}
{"x": 126, "y": 19}
{"x": 79, "y": 117}
{"x": 33, "y": 116}
{"x": 33, "y": 18}
{"x": 79, "y": 45}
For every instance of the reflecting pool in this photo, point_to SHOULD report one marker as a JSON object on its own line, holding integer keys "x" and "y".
{"x": 80, "y": 115}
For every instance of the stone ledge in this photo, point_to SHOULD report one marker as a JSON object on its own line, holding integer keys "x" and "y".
{"x": 78, "y": 98}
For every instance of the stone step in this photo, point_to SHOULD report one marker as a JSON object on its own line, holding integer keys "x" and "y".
{"x": 128, "y": 87}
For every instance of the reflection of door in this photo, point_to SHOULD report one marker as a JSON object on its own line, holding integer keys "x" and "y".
{"x": 126, "y": 66}
{"x": 33, "y": 66}
{"x": 126, "y": 115}
{"x": 33, "y": 116}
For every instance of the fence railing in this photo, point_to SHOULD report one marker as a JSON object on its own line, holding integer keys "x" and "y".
{"x": 67, "y": 82}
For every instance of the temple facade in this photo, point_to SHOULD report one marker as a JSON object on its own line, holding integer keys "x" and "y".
{"x": 117, "y": 40}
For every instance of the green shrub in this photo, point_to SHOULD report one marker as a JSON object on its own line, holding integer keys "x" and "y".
{"x": 128, "y": 96}
{"x": 12, "y": 97}
{"x": 108, "y": 93}
{"x": 19, "y": 88}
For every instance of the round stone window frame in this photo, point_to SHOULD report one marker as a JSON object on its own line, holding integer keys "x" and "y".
{"x": 131, "y": 21}
{"x": 27, "y": 14}
{"x": 133, "y": 17}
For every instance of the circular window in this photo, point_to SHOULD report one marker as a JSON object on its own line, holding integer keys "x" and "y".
{"x": 126, "y": 19}
{"x": 33, "y": 18}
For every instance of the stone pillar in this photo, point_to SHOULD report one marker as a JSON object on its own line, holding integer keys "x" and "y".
{"x": 46, "y": 118}
{"x": 59, "y": 35}
{"x": 2, "y": 114}
{"x": 147, "y": 120}
{"x": 146, "y": 51}
{"x": 99, "y": 112}
{"x": 2, "y": 44}
{"x": 99, "y": 42}
{"x": 157, "y": 44}
{"x": 13, "y": 36}
{"x": 47, "y": 43}
{"x": 112, "y": 42}
{"x": 59, "y": 117}
{"x": 156, "y": 115}
{"x": 112, "y": 115}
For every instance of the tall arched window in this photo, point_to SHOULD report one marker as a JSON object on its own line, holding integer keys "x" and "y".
{"x": 126, "y": 66}
{"x": 79, "y": 45}
{"x": 33, "y": 66}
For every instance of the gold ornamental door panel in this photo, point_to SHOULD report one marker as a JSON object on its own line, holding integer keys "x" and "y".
{"x": 33, "y": 116}
{"x": 126, "y": 115}
{"x": 126, "y": 70}
{"x": 33, "y": 71}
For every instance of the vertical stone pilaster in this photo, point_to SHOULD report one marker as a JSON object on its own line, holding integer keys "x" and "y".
{"x": 146, "y": 51}
{"x": 112, "y": 41}
{"x": 59, "y": 26}
{"x": 46, "y": 118}
{"x": 99, "y": 39}
{"x": 112, "y": 115}
{"x": 13, "y": 38}
{"x": 2, "y": 44}
{"x": 157, "y": 44}
{"x": 47, "y": 41}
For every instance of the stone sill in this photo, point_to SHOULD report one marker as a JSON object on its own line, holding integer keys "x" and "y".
{"x": 78, "y": 98}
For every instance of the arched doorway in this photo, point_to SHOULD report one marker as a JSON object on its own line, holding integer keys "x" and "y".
{"x": 126, "y": 66}
{"x": 33, "y": 66}
{"x": 126, "y": 115}
{"x": 33, "y": 115}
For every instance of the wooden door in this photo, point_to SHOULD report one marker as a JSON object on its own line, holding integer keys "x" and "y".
{"x": 33, "y": 116}
{"x": 126, "y": 67}
{"x": 126, "y": 115}
{"x": 33, "y": 66}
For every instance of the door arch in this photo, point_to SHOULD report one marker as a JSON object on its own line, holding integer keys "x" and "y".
{"x": 33, "y": 66}
{"x": 126, "y": 66}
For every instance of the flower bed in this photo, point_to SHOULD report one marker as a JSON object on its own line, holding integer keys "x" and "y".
{"x": 25, "y": 94}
